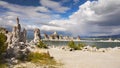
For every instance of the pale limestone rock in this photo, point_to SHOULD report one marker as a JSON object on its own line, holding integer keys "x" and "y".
{"x": 36, "y": 35}
{"x": 9, "y": 37}
{"x": 18, "y": 31}
{"x": 78, "y": 38}
{"x": 23, "y": 36}
{"x": 46, "y": 36}
{"x": 60, "y": 37}
{"x": 18, "y": 36}
{"x": 54, "y": 36}
{"x": 14, "y": 37}
{"x": 17, "y": 40}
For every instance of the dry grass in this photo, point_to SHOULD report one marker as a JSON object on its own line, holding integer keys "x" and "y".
{"x": 43, "y": 59}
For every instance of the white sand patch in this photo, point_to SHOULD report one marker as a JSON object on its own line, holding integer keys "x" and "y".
{"x": 86, "y": 59}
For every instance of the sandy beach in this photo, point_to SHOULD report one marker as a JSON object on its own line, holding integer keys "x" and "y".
{"x": 87, "y": 59}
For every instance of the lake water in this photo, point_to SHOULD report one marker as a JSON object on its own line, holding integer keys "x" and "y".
{"x": 89, "y": 41}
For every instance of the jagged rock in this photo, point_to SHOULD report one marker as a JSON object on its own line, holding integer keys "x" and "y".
{"x": 60, "y": 37}
{"x": 18, "y": 50}
{"x": 46, "y": 36}
{"x": 14, "y": 38}
{"x": 9, "y": 37}
{"x": 17, "y": 46}
{"x": 18, "y": 36}
{"x": 54, "y": 36}
{"x": 37, "y": 35}
{"x": 23, "y": 36}
{"x": 78, "y": 38}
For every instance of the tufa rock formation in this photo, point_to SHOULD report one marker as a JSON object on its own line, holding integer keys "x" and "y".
{"x": 23, "y": 36}
{"x": 37, "y": 36}
{"x": 54, "y": 36}
{"x": 78, "y": 38}
{"x": 17, "y": 35}
{"x": 17, "y": 46}
{"x": 46, "y": 36}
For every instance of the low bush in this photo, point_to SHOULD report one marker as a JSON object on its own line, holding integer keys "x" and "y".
{"x": 3, "y": 48}
{"x": 74, "y": 46}
{"x": 3, "y": 45}
{"x": 42, "y": 58}
{"x": 41, "y": 44}
{"x": 3, "y": 65}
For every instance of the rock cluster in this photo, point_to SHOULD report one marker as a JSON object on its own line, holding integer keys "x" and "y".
{"x": 56, "y": 36}
{"x": 18, "y": 48}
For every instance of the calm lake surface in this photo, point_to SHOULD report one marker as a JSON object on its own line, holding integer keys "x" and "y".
{"x": 88, "y": 41}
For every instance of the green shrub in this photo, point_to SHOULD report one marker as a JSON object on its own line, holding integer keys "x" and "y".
{"x": 41, "y": 44}
{"x": 71, "y": 44}
{"x": 3, "y": 45}
{"x": 42, "y": 58}
{"x": 74, "y": 46}
{"x": 3, "y": 48}
{"x": 3, "y": 65}
{"x": 80, "y": 46}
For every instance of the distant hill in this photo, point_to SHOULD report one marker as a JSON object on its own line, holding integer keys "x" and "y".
{"x": 110, "y": 36}
{"x": 31, "y": 33}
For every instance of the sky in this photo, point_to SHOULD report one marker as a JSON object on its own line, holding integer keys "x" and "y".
{"x": 75, "y": 17}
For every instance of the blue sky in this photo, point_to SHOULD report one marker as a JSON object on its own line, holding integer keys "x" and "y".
{"x": 78, "y": 17}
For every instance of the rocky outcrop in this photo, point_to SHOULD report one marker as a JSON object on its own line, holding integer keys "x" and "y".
{"x": 54, "y": 36}
{"x": 17, "y": 46}
{"x": 9, "y": 37}
{"x": 37, "y": 36}
{"x": 78, "y": 38}
{"x": 23, "y": 36}
{"x": 46, "y": 36}
{"x": 16, "y": 35}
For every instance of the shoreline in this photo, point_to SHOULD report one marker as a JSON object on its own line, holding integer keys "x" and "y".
{"x": 80, "y": 58}
{"x": 78, "y": 40}
{"x": 87, "y": 59}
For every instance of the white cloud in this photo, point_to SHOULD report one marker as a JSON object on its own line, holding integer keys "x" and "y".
{"x": 54, "y": 5}
{"x": 31, "y": 27}
{"x": 51, "y": 28}
{"x": 94, "y": 18}
{"x": 27, "y": 14}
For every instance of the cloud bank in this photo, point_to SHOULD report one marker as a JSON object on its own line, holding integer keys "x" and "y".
{"x": 93, "y": 18}
{"x": 96, "y": 18}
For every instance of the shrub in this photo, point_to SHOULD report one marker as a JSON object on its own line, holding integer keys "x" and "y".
{"x": 74, "y": 46}
{"x": 3, "y": 65}
{"x": 3, "y": 45}
{"x": 80, "y": 46}
{"x": 3, "y": 48}
{"x": 41, "y": 44}
{"x": 42, "y": 58}
{"x": 71, "y": 44}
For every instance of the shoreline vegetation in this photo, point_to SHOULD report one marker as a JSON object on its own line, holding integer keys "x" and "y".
{"x": 15, "y": 52}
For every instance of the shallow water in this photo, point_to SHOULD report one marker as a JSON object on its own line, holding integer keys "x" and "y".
{"x": 87, "y": 42}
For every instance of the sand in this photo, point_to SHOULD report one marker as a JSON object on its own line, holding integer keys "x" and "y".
{"x": 87, "y": 59}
